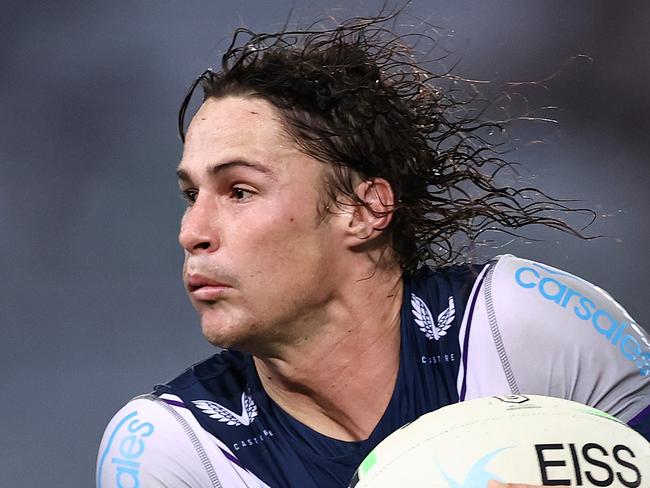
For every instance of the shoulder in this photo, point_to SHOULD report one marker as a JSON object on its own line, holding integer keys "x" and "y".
{"x": 551, "y": 284}
{"x": 541, "y": 330}
{"x": 526, "y": 294}
{"x": 155, "y": 441}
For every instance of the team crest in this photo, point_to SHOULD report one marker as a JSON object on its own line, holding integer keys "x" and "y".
{"x": 424, "y": 319}
{"x": 222, "y": 414}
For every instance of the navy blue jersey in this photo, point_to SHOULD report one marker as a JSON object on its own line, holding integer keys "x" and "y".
{"x": 466, "y": 331}
{"x": 283, "y": 452}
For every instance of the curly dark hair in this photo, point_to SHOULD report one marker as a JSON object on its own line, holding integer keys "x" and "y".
{"x": 354, "y": 97}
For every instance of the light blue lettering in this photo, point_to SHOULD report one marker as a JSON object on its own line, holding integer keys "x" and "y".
{"x": 619, "y": 333}
{"x": 127, "y": 447}
{"x": 586, "y": 304}
{"x": 134, "y": 428}
{"x": 586, "y": 309}
{"x": 124, "y": 462}
{"x": 111, "y": 438}
{"x": 128, "y": 475}
{"x": 131, "y": 447}
{"x": 570, "y": 294}
{"x": 613, "y": 325}
{"x": 523, "y": 284}
{"x": 634, "y": 353}
{"x": 557, "y": 295}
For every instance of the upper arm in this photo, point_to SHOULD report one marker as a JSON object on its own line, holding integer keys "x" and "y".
{"x": 156, "y": 444}
{"x": 544, "y": 331}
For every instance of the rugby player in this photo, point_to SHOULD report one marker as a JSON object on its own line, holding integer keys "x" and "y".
{"x": 326, "y": 176}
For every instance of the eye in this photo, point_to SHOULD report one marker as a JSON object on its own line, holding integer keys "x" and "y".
{"x": 240, "y": 193}
{"x": 189, "y": 195}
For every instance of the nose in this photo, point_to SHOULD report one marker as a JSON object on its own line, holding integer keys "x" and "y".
{"x": 198, "y": 232}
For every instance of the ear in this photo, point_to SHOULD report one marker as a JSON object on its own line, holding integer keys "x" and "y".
{"x": 368, "y": 220}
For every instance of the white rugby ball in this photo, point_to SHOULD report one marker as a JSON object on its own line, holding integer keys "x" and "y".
{"x": 515, "y": 439}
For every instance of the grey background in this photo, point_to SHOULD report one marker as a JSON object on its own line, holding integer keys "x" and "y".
{"x": 92, "y": 307}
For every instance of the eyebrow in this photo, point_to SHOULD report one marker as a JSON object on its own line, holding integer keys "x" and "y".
{"x": 215, "y": 169}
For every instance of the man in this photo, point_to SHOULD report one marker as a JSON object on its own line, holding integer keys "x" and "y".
{"x": 323, "y": 172}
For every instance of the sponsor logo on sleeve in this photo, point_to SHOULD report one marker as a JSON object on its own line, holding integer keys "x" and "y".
{"x": 426, "y": 323}
{"x": 555, "y": 287}
{"x": 129, "y": 442}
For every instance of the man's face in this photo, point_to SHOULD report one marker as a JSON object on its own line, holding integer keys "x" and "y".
{"x": 259, "y": 258}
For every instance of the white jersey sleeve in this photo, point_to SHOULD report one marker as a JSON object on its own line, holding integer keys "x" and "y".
{"x": 535, "y": 329}
{"x": 155, "y": 442}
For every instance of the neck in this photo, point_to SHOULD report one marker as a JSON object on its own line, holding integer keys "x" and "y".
{"x": 339, "y": 380}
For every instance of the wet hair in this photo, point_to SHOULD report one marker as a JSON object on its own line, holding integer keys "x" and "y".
{"x": 354, "y": 97}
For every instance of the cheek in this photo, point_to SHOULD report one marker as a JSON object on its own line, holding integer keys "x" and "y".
{"x": 280, "y": 222}
{"x": 290, "y": 246}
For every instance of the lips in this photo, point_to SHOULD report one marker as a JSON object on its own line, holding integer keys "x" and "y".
{"x": 196, "y": 281}
{"x": 203, "y": 288}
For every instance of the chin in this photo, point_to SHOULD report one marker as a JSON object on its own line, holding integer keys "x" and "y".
{"x": 224, "y": 335}
{"x": 217, "y": 337}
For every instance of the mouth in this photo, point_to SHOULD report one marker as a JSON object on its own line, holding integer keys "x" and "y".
{"x": 203, "y": 288}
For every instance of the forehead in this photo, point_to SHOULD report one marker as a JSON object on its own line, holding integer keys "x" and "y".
{"x": 235, "y": 128}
